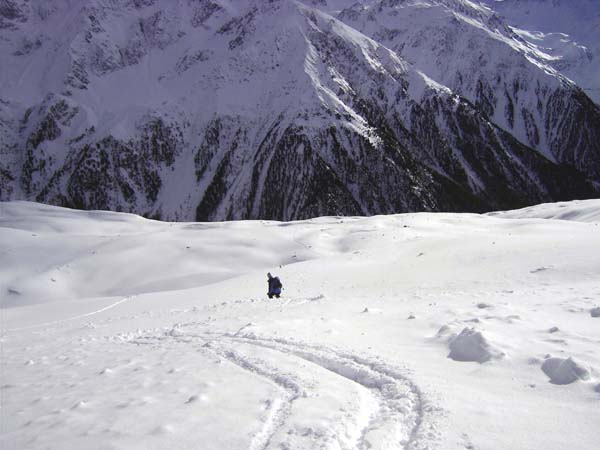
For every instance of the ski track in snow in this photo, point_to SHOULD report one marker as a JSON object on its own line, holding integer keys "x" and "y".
{"x": 385, "y": 384}
{"x": 280, "y": 407}
{"x": 395, "y": 407}
{"x": 68, "y": 319}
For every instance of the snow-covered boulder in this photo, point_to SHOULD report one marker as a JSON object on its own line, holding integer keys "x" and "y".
{"x": 471, "y": 345}
{"x": 564, "y": 371}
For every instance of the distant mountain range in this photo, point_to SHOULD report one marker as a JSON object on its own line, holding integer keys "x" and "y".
{"x": 282, "y": 109}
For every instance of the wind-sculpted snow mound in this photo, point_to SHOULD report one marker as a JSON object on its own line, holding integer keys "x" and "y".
{"x": 578, "y": 211}
{"x": 564, "y": 371}
{"x": 471, "y": 345}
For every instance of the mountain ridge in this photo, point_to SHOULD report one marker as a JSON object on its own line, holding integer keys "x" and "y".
{"x": 213, "y": 110}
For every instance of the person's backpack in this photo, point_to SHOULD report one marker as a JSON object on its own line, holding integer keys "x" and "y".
{"x": 277, "y": 283}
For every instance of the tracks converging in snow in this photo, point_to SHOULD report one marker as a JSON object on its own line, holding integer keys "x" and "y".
{"x": 398, "y": 410}
{"x": 335, "y": 398}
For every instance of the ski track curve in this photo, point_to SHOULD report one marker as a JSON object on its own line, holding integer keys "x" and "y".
{"x": 280, "y": 407}
{"x": 401, "y": 408}
{"x": 69, "y": 319}
{"x": 396, "y": 422}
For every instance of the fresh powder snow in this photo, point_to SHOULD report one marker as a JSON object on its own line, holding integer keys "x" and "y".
{"x": 409, "y": 331}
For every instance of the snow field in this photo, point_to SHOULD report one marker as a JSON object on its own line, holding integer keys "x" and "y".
{"x": 408, "y": 331}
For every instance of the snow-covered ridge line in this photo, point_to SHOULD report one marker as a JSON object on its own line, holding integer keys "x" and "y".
{"x": 578, "y": 211}
{"x": 567, "y": 30}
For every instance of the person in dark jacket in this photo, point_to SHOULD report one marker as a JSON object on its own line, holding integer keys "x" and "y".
{"x": 274, "y": 286}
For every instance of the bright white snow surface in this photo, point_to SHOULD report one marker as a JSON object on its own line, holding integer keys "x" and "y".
{"x": 410, "y": 331}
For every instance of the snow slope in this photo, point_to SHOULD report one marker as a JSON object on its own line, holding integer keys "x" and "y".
{"x": 410, "y": 331}
{"x": 577, "y": 210}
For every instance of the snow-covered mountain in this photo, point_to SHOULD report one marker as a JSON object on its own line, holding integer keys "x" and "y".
{"x": 218, "y": 109}
{"x": 474, "y": 52}
{"x": 567, "y": 30}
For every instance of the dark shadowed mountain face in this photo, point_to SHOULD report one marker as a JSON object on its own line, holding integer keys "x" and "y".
{"x": 213, "y": 110}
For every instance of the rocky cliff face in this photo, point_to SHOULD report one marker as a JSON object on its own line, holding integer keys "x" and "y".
{"x": 212, "y": 110}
